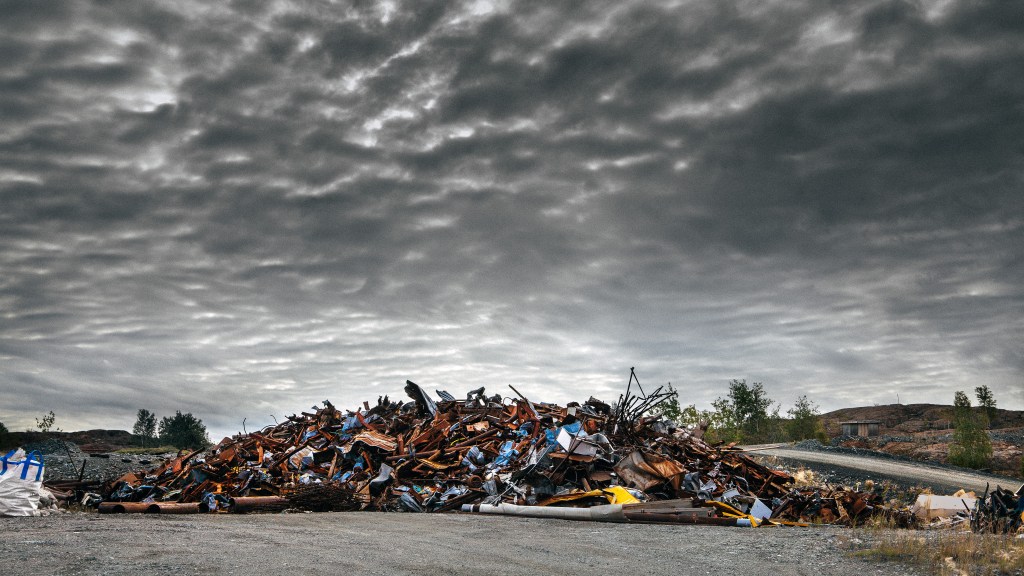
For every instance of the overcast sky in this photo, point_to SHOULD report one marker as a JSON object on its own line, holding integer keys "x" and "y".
{"x": 240, "y": 209}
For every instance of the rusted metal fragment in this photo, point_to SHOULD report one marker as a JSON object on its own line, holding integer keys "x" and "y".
{"x": 647, "y": 470}
{"x": 257, "y": 504}
{"x": 128, "y": 508}
{"x": 177, "y": 507}
{"x": 377, "y": 440}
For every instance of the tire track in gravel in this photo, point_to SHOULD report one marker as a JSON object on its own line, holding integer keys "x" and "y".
{"x": 922, "y": 473}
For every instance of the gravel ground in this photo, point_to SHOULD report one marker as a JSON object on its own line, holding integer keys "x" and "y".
{"x": 64, "y": 462}
{"x": 394, "y": 543}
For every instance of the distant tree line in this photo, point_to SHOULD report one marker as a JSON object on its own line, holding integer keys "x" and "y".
{"x": 747, "y": 415}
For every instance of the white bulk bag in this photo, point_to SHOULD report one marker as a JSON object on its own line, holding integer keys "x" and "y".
{"x": 21, "y": 483}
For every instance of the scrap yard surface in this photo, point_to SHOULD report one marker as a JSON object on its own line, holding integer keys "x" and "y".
{"x": 429, "y": 544}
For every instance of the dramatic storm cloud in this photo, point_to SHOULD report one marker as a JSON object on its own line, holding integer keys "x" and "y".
{"x": 240, "y": 209}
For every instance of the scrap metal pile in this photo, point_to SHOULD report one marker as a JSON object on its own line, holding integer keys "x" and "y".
{"x": 832, "y": 505}
{"x": 1000, "y": 511}
{"x": 436, "y": 455}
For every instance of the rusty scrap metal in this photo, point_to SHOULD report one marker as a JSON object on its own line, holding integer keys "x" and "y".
{"x": 430, "y": 455}
{"x": 999, "y": 511}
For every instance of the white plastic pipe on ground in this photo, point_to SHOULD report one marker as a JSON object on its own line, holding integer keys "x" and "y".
{"x": 605, "y": 513}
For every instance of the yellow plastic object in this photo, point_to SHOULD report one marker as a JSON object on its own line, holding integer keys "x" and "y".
{"x": 726, "y": 509}
{"x": 730, "y": 512}
{"x": 619, "y": 495}
{"x": 614, "y": 495}
{"x": 570, "y": 497}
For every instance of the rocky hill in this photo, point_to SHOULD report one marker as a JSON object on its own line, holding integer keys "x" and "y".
{"x": 88, "y": 441}
{"x": 924, "y": 432}
{"x": 912, "y": 418}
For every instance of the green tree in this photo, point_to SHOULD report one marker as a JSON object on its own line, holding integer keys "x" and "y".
{"x": 971, "y": 447}
{"x": 46, "y": 423}
{"x": 986, "y": 401}
{"x": 183, "y": 431}
{"x": 751, "y": 405}
{"x": 744, "y": 416}
{"x": 961, "y": 404}
{"x": 688, "y": 416}
{"x": 691, "y": 416}
{"x": 670, "y": 407}
{"x": 3, "y": 435}
{"x": 145, "y": 426}
{"x": 805, "y": 421}
{"x": 725, "y": 426}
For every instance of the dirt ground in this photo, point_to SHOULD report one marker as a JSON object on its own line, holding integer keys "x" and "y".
{"x": 395, "y": 543}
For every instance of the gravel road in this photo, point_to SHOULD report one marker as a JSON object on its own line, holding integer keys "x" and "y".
{"x": 916, "y": 473}
{"x": 395, "y": 543}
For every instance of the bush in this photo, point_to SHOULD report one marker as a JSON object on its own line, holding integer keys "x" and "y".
{"x": 145, "y": 427}
{"x": 805, "y": 422}
{"x": 46, "y": 424}
{"x": 971, "y": 447}
{"x": 746, "y": 415}
{"x": 184, "y": 431}
{"x": 986, "y": 401}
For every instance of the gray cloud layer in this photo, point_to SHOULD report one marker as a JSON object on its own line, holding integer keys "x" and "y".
{"x": 241, "y": 209}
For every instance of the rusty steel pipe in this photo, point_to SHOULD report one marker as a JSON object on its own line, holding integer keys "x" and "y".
{"x": 128, "y": 508}
{"x": 258, "y": 503}
{"x": 177, "y": 507}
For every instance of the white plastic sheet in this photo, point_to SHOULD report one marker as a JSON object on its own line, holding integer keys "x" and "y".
{"x": 930, "y": 506}
{"x": 21, "y": 483}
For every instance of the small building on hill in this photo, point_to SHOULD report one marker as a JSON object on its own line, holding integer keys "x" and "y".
{"x": 860, "y": 428}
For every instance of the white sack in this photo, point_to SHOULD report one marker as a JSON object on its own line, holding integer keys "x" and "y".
{"x": 21, "y": 483}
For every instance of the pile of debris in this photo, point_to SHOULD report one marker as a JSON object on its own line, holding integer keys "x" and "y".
{"x": 998, "y": 511}
{"x": 832, "y": 505}
{"x": 479, "y": 454}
